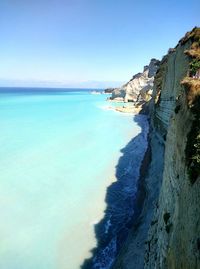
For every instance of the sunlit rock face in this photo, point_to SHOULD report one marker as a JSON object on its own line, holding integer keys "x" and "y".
{"x": 139, "y": 87}
{"x": 173, "y": 240}
{"x": 168, "y": 235}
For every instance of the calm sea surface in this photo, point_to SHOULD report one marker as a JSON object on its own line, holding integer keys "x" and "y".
{"x": 58, "y": 152}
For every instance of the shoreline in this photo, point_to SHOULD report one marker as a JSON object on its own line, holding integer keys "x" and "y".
{"x": 142, "y": 191}
{"x": 122, "y": 199}
{"x": 124, "y": 107}
{"x": 134, "y": 248}
{"x": 129, "y": 109}
{"x": 140, "y": 205}
{"x": 126, "y": 110}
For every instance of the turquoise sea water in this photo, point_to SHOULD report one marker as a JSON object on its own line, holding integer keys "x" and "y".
{"x": 58, "y": 152}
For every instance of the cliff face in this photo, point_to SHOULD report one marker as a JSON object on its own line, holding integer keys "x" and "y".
{"x": 174, "y": 237}
{"x": 139, "y": 88}
{"x": 168, "y": 234}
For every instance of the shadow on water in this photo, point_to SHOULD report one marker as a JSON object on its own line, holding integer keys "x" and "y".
{"x": 121, "y": 210}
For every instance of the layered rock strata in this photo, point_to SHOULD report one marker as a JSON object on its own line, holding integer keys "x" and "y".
{"x": 168, "y": 233}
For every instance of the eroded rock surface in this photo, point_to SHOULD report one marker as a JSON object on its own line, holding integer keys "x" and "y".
{"x": 139, "y": 88}
{"x": 168, "y": 232}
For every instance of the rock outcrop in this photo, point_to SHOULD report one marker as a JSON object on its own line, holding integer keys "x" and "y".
{"x": 109, "y": 90}
{"x": 139, "y": 88}
{"x": 168, "y": 232}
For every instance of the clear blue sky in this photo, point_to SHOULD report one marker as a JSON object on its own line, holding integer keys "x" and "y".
{"x": 87, "y": 42}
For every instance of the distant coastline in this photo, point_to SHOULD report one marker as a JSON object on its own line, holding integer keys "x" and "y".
{"x": 46, "y": 89}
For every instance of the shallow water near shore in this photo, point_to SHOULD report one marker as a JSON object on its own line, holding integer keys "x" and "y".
{"x": 58, "y": 156}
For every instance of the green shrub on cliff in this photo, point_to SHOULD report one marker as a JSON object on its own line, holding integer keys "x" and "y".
{"x": 193, "y": 144}
{"x": 194, "y": 66}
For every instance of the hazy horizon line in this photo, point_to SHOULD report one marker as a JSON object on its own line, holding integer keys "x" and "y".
{"x": 93, "y": 84}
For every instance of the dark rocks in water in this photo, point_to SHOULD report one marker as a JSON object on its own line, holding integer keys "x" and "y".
{"x": 109, "y": 90}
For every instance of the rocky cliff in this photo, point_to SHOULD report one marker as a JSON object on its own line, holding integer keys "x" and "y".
{"x": 167, "y": 234}
{"x": 139, "y": 88}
